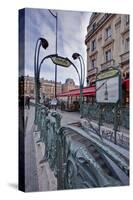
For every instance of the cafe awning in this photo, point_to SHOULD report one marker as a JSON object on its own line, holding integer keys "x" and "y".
{"x": 87, "y": 91}
{"x": 125, "y": 84}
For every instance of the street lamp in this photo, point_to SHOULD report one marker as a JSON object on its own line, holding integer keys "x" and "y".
{"x": 41, "y": 42}
{"x": 56, "y": 18}
{"x": 82, "y": 77}
{"x": 82, "y": 66}
{"x": 64, "y": 62}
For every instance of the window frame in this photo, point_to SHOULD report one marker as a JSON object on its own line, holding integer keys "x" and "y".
{"x": 127, "y": 44}
{"x": 108, "y": 32}
{"x": 93, "y": 63}
{"x": 93, "y": 45}
{"x": 127, "y": 19}
{"x": 108, "y": 56}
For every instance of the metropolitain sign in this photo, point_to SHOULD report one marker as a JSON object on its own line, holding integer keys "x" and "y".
{"x": 108, "y": 86}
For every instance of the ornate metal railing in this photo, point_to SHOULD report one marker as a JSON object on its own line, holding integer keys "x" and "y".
{"x": 125, "y": 117}
{"x": 78, "y": 158}
{"x": 107, "y": 64}
{"x": 48, "y": 123}
{"x": 84, "y": 162}
{"x": 92, "y": 110}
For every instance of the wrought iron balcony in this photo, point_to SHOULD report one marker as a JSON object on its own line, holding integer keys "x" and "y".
{"x": 107, "y": 64}
{"x": 92, "y": 71}
{"x": 97, "y": 25}
{"x": 124, "y": 57}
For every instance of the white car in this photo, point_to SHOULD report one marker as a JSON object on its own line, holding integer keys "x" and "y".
{"x": 53, "y": 102}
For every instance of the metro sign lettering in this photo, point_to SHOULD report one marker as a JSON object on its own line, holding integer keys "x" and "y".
{"x": 58, "y": 60}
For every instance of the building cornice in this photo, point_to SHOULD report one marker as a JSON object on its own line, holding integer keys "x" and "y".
{"x": 108, "y": 42}
{"x": 92, "y": 19}
{"x": 99, "y": 25}
{"x": 125, "y": 31}
{"x": 93, "y": 53}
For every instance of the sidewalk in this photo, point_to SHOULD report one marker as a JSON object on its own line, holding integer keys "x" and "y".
{"x": 31, "y": 177}
{"x": 70, "y": 117}
{"x": 38, "y": 177}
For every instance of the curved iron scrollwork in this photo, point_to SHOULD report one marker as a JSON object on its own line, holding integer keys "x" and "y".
{"x": 85, "y": 163}
{"x": 78, "y": 159}
{"x": 48, "y": 124}
{"x": 71, "y": 173}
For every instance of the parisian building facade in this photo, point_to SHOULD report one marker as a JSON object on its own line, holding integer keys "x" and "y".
{"x": 107, "y": 42}
{"x": 29, "y": 86}
{"x": 69, "y": 85}
{"x": 47, "y": 87}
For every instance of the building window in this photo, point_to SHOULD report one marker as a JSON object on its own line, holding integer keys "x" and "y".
{"x": 127, "y": 44}
{"x": 127, "y": 19}
{"x": 94, "y": 26}
{"x": 108, "y": 32}
{"x": 93, "y": 45}
{"x": 93, "y": 63}
{"x": 108, "y": 55}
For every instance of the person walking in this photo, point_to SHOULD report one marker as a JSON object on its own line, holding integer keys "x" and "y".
{"x": 27, "y": 102}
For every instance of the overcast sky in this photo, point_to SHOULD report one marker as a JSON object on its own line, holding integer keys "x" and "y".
{"x": 72, "y": 29}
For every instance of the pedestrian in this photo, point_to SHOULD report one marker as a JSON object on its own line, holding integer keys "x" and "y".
{"x": 27, "y": 102}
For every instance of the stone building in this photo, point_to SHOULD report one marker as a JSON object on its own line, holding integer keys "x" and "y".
{"x": 107, "y": 42}
{"x": 69, "y": 85}
{"x": 29, "y": 86}
{"x": 48, "y": 88}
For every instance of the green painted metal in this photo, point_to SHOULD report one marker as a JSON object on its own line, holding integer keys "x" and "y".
{"x": 78, "y": 159}
{"x": 48, "y": 124}
{"x": 108, "y": 113}
{"x": 84, "y": 162}
{"x": 125, "y": 117}
{"x": 105, "y": 75}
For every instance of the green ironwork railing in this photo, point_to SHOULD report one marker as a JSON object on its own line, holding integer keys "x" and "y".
{"x": 108, "y": 113}
{"x": 77, "y": 158}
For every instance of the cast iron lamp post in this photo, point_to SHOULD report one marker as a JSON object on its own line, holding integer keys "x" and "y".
{"x": 56, "y": 18}
{"x": 82, "y": 77}
{"x": 41, "y": 42}
{"x": 82, "y": 66}
{"x": 64, "y": 62}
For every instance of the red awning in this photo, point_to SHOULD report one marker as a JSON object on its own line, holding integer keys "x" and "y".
{"x": 125, "y": 83}
{"x": 87, "y": 91}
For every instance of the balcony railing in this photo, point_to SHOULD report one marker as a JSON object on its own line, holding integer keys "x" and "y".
{"x": 92, "y": 71}
{"x": 124, "y": 57}
{"x": 107, "y": 64}
{"x": 102, "y": 20}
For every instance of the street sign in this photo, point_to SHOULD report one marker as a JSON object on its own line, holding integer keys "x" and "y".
{"x": 108, "y": 87}
{"x": 107, "y": 74}
{"x": 58, "y": 60}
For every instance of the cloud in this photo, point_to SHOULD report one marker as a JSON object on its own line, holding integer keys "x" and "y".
{"x": 72, "y": 28}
